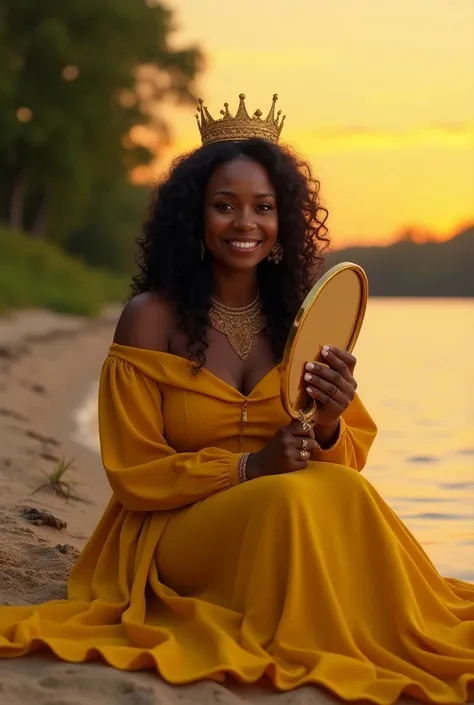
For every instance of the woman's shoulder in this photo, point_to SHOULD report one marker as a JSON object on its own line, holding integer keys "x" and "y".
{"x": 146, "y": 322}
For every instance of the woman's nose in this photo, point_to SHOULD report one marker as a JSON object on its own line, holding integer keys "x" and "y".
{"x": 244, "y": 222}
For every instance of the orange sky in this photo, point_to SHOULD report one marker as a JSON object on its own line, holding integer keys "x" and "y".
{"x": 379, "y": 96}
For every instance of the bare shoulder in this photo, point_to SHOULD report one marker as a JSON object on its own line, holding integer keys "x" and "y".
{"x": 145, "y": 322}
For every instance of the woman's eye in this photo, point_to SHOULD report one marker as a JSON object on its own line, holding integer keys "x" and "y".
{"x": 227, "y": 207}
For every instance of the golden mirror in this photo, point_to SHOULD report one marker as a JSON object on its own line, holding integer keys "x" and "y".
{"x": 331, "y": 314}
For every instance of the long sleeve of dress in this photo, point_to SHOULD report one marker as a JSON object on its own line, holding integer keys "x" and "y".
{"x": 357, "y": 432}
{"x": 145, "y": 473}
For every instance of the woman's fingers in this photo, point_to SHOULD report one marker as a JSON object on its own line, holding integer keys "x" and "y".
{"x": 303, "y": 449}
{"x": 339, "y": 359}
{"x": 327, "y": 383}
{"x": 337, "y": 377}
{"x": 305, "y": 444}
{"x": 320, "y": 396}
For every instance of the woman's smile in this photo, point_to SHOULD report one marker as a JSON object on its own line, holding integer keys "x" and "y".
{"x": 240, "y": 215}
{"x": 243, "y": 246}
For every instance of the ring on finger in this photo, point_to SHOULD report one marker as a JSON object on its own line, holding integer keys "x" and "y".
{"x": 304, "y": 455}
{"x": 304, "y": 444}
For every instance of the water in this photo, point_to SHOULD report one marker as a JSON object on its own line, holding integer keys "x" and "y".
{"x": 416, "y": 377}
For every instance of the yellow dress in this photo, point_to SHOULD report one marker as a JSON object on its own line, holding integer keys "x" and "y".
{"x": 306, "y": 577}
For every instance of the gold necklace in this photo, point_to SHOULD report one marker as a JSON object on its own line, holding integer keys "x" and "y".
{"x": 240, "y": 325}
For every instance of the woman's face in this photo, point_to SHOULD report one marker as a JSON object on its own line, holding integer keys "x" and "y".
{"x": 240, "y": 214}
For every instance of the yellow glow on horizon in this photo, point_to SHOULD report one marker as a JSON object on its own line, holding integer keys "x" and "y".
{"x": 327, "y": 140}
{"x": 379, "y": 98}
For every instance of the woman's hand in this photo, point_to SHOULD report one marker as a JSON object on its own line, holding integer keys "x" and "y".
{"x": 288, "y": 450}
{"x": 333, "y": 388}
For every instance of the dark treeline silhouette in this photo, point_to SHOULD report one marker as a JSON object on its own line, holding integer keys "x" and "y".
{"x": 407, "y": 268}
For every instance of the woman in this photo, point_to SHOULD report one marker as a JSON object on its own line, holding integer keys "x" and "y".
{"x": 237, "y": 542}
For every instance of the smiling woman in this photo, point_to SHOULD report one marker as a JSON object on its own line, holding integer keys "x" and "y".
{"x": 239, "y": 542}
{"x": 223, "y": 210}
{"x": 240, "y": 214}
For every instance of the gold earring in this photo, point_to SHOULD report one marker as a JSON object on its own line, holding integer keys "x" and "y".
{"x": 203, "y": 250}
{"x": 276, "y": 254}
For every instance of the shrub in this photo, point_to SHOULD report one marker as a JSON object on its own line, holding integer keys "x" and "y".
{"x": 36, "y": 274}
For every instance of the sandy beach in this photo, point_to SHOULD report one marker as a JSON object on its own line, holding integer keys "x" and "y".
{"x": 48, "y": 366}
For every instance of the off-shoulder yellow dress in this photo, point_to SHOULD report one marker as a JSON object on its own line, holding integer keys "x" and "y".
{"x": 307, "y": 577}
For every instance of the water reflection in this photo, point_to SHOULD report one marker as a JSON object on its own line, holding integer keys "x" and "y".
{"x": 416, "y": 377}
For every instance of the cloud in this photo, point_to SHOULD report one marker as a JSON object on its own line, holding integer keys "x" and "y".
{"x": 349, "y": 138}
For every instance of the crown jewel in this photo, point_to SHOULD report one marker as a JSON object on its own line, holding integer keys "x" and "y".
{"x": 241, "y": 126}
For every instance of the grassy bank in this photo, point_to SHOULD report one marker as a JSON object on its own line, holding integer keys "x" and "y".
{"x": 36, "y": 274}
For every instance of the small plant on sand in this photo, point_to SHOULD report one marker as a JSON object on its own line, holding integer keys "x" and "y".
{"x": 56, "y": 483}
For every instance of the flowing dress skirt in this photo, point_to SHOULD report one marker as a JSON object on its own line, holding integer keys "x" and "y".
{"x": 302, "y": 578}
{"x": 310, "y": 577}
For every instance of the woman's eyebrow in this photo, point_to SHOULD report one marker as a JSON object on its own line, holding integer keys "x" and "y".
{"x": 231, "y": 193}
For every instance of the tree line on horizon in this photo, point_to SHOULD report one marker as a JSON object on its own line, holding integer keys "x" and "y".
{"x": 407, "y": 268}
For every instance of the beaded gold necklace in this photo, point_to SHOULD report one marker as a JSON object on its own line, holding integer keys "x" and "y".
{"x": 240, "y": 325}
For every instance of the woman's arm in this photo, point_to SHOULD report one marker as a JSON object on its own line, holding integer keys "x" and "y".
{"x": 145, "y": 473}
{"x": 357, "y": 432}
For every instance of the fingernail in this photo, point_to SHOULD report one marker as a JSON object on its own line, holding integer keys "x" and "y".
{"x": 309, "y": 390}
{"x": 325, "y": 351}
{"x": 307, "y": 378}
{"x": 309, "y": 366}
{"x": 326, "y": 347}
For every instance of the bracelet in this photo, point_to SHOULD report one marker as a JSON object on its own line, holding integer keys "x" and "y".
{"x": 242, "y": 467}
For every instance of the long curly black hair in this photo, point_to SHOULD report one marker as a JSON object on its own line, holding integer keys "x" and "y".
{"x": 169, "y": 256}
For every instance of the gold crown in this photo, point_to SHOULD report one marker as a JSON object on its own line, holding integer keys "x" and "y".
{"x": 241, "y": 126}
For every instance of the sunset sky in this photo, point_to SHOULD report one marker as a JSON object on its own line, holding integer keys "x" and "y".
{"x": 379, "y": 96}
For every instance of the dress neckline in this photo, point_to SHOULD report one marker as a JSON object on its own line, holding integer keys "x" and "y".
{"x": 204, "y": 370}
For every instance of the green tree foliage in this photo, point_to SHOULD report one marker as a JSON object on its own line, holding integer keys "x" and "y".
{"x": 406, "y": 268}
{"x": 111, "y": 224}
{"x": 75, "y": 77}
{"x": 37, "y": 274}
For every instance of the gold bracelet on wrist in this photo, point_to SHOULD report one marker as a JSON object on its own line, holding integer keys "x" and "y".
{"x": 242, "y": 467}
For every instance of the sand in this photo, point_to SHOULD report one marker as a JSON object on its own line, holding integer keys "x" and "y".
{"x": 48, "y": 365}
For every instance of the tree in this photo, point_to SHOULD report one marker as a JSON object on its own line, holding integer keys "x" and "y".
{"x": 111, "y": 224}
{"x": 408, "y": 268}
{"x": 71, "y": 88}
